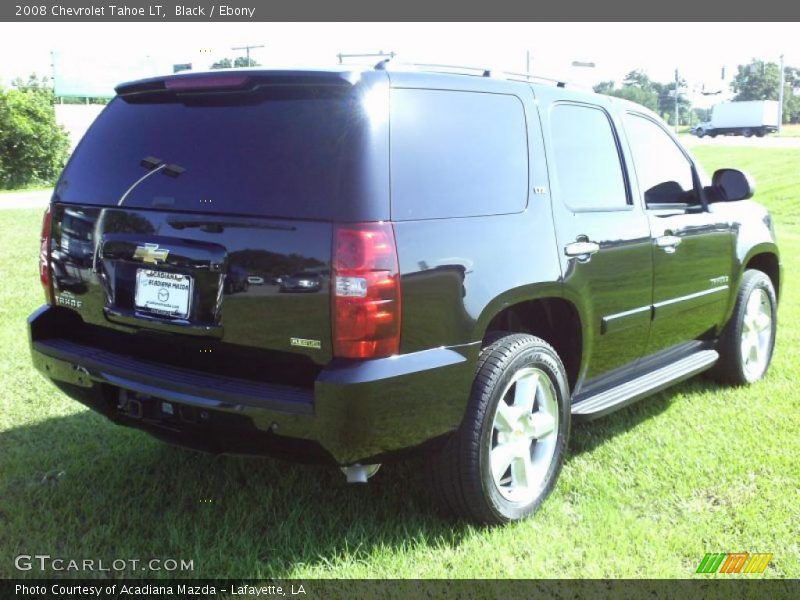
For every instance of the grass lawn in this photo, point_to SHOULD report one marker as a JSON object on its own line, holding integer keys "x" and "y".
{"x": 645, "y": 492}
{"x": 30, "y": 188}
{"x": 792, "y": 130}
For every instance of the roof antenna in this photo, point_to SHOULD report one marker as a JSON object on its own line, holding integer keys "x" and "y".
{"x": 382, "y": 64}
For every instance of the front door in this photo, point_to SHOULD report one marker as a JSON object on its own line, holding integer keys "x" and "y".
{"x": 693, "y": 248}
{"x": 603, "y": 235}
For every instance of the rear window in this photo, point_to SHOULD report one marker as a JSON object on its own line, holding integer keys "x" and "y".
{"x": 457, "y": 154}
{"x": 284, "y": 151}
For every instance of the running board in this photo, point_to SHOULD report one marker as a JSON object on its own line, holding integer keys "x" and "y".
{"x": 629, "y": 392}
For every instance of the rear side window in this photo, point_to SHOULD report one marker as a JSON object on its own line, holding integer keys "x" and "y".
{"x": 457, "y": 154}
{"x": 588, "y": 170}
{"x": 284, "y": 151}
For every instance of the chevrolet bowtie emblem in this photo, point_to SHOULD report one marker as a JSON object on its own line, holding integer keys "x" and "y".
{"x": 150, "y": 253}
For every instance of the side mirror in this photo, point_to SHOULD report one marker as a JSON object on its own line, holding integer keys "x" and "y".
{"x": 732, "y": 184}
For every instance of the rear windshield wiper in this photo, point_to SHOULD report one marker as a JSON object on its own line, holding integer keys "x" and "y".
{"x": 153, "y": 166}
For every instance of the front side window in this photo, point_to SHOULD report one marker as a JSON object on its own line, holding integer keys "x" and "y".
{"x": 588, "y": 170}
{"x": 663, "y": 171}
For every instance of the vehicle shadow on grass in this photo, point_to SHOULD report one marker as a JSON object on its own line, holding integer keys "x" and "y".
{"x": 79, "y": 486}
{"x": 588, "y": 435}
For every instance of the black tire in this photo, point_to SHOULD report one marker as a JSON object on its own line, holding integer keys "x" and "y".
{"x": 747, "y": 133}
{"x": 760, "y": 133}
{"x": 700, "y": 133}
{"x": 712, "y": 135}
{"x": 460, "y": 474}
{"x": 732, "y": 367}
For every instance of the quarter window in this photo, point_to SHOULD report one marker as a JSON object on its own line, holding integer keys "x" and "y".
{"x": 587, "y": 162}
{"x": 457, "y": 154}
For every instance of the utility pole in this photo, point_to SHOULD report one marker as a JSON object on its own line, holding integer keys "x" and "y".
{"x": 780, "y": 97}
{"x": 53, "y": 67}
{"x": 247, "y": 49}
{"x": 677, "y": 120}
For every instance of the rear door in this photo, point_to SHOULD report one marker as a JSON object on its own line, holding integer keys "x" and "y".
{"x": 693, "y": 248}
{"x": 603, "y": 235}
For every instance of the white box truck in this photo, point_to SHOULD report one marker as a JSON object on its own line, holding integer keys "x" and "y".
{"x": 757, "y": 117}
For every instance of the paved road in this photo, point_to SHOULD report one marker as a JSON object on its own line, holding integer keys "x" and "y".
{"x": 768, "y": 141}
{"x": 38, "y": 199}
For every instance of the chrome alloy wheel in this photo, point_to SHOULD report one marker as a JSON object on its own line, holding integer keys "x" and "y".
{"x": 756, "y": 340}
{"x": 524, "y": 435}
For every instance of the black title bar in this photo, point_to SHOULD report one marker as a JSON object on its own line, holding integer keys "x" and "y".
{"x": 700, "y": 588}
{"x": 393, "y": 10}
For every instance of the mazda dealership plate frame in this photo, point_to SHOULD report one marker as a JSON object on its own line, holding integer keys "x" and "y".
{"x": 163, "y": 293}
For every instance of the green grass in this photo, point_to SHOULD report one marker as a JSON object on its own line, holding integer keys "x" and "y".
{"x": 792, "y": 130}
{"x": 645, "y": 492}
{"x": 30, "y": 188}
{"x": 777, "y": 175}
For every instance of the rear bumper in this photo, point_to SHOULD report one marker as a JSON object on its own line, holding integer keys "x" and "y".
{"x": 357, "y": 411}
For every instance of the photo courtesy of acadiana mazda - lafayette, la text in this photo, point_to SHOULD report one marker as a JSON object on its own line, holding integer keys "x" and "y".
{"x": 356, "y": 265}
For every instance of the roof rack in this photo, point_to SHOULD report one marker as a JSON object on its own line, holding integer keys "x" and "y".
{"x": 454, "y": 69}
{"x": 388, "y": 58}
{"x": 474, "y": 71}
{"x": 527, "y": 76}
{"x": 379, "y": 53}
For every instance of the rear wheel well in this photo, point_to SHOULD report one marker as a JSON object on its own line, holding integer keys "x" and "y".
{"x": 555, "y": 320}
{"x": 767, "y": 263}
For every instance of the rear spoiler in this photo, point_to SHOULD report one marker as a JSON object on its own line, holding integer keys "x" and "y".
{"x": 235, "y": 80}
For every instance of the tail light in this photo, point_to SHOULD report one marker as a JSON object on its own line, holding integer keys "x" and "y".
{"x": 366, "y": 291}
{"x": 45, "y": 272}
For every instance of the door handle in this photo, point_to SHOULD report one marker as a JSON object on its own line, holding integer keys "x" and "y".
{"x": 581, "y": 250}
{"x": 668, "y": 242}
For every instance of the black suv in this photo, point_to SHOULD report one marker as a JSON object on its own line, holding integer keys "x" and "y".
{"x": 489, "y": 258}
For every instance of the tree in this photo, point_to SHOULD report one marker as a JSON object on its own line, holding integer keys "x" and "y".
{"x": 239, "y": 61}
{"x": 34, "y": 82}
{"x": 758, "y": 80}
{"x": 792, "y": 77}
{"x": 658, "y": 97}
{"x": 638, "y": 79}
{"x": 33, "y": 147}
{"x": 225, "y": 63}
{"x": 702, "y": 114}
{"x": 243, "y": 61}
{"x": 791, "y": 109}
{"x": 604, "y": 87}
{"x": 636, "y": 87}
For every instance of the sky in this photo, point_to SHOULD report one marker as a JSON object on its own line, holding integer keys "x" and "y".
{"x": 98, "y": 55}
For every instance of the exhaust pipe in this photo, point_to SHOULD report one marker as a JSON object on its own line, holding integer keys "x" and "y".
{"x": 358, "y": 473}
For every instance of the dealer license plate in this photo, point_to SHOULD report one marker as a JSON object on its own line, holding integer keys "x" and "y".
{"x": 163, "y": 293}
